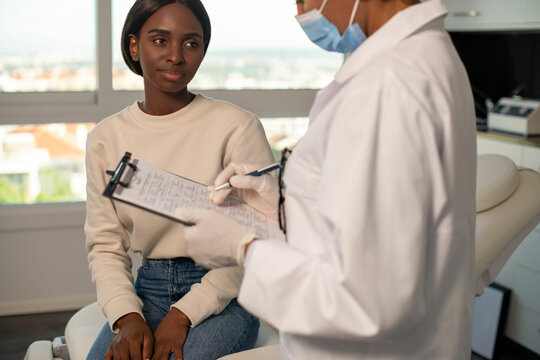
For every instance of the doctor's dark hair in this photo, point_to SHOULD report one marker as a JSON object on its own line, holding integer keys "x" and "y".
{"x": 143, "y": 9}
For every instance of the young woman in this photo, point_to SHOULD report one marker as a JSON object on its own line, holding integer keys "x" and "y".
{"x": 174, "y": 307}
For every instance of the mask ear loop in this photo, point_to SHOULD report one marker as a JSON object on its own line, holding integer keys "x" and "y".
{"x": 323, "y": 5}
{"x": 353, "y": 11}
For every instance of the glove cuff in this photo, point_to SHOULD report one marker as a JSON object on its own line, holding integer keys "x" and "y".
{"x": 241, "y": 246}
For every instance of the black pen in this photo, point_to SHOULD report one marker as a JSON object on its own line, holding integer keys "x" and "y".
{"x": 259, "y": 172}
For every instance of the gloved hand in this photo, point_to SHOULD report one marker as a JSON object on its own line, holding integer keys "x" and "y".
{"x": 260, "y": 192}
{"x": 216, "y": 240}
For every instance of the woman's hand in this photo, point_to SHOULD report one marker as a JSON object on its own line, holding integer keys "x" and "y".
{"x": 171, "y": 335}
{"x": 133, "y": 341}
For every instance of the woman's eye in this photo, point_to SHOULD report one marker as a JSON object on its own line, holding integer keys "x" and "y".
{"x": 192, "y": 44}
{"x": 160, "y": 41}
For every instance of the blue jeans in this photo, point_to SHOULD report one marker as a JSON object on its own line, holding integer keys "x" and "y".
{"x": 161, "y": 283}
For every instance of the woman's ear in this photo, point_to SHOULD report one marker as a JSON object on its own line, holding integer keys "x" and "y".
{"x": 133, "y": 47}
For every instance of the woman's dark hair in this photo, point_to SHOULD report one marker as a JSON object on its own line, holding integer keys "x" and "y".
{"x": 143, "y": 9}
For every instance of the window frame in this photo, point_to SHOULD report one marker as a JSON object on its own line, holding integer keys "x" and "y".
{"x": 92, "y": 106}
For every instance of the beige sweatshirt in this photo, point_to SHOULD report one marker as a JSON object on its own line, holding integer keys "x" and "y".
{"x": 196, "y": 142}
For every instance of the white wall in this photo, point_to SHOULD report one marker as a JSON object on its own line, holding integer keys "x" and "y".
{"x": 43, "y": 264}
{"x": 521, "y": 274}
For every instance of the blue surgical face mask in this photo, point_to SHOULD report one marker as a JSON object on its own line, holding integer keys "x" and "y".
{"x": 326, "y": 35}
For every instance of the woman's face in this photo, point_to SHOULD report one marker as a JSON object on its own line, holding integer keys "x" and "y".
{"x": 169, "y": 48}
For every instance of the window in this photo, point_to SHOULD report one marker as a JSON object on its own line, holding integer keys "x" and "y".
{"x": 42, "y": 163}
{"x": 47, "y": 45}
{"x": 284, "y": 132}
{"x": 55, "y": 86}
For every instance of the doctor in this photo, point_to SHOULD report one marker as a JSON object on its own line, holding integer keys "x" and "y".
{"x": 379, "y": 197}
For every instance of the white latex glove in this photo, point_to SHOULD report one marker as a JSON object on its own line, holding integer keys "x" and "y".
{"x": 216, "y": 240}
{"x": 260, "y": 192}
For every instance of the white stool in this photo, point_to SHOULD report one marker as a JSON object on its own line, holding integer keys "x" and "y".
{"x": 83, "y": 328}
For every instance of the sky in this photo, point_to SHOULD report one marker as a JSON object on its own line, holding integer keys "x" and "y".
{"x": 68, "y": 26}
{"x": 32, "y": 26}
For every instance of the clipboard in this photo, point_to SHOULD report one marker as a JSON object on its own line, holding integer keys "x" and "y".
{"x": 140, "y": 184}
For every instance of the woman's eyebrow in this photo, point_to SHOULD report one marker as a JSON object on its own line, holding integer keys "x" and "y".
{"x": 159, "y": 31}
{"x": 194, "y": 34}
{"x": 167, "y": 32}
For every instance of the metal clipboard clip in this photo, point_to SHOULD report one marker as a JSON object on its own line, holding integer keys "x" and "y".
{"x": 118, "y": 177}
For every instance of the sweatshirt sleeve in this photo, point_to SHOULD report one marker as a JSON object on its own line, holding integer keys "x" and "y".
{"x": 107, "y": 243}
{"x": 250, "y": 145}
{"x": 209, "y": 297}
{"x": 219, "y": 286}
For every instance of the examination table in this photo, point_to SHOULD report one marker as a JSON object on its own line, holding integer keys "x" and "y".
{"x": 508, "y": 209}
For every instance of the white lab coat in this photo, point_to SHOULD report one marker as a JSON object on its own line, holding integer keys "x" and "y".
{"x": 380, "y": 205}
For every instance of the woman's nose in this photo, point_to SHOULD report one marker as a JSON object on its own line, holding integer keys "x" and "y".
{"x": 175, "y": 54}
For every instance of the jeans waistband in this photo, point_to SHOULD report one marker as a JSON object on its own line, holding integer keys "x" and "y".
{"x": 176, "y": 260}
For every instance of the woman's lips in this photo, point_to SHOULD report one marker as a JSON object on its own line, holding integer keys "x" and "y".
{"x": 171, "y": 75}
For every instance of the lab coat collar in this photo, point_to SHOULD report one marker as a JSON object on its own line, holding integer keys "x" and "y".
{"x": 400, "y": 26}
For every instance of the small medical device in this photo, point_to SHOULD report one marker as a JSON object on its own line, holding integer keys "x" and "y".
{"x": 516, "y": 115}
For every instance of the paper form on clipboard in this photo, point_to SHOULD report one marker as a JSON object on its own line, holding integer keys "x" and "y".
{"x": 150, "y": 188}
